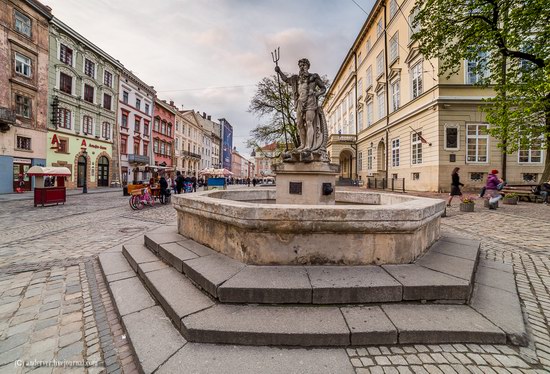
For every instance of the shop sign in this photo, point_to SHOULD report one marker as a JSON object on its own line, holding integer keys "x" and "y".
{"x": 83, "y": 145}
{"x": 21, "y": 161}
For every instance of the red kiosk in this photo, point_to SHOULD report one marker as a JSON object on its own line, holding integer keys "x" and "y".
{"x": 54, "y": 193}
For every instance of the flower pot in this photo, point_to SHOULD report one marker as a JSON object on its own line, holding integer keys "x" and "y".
{"x": 510, "y": 200}
{"x": 467, "y": 207}
{"x": 486, "y": 204}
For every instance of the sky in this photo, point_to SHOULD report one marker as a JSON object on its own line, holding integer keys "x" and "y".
{"x": 208, "y": 55}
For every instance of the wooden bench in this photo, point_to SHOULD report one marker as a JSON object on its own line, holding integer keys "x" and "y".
{"x": 525, "y": 191}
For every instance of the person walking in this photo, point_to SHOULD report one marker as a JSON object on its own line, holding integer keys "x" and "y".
{"x": 254, "y": 182}
{"x": 169, "y": 182}
{"x": 491, "y": 189}
{"x": 455, "y": 186}
{"x": 179, "y": 182}
{"x": 194, "y": 183}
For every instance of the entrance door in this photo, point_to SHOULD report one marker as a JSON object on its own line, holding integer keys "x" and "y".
{"x": 103, "y": 172}
{"x": 81, "y": 173}
{"x": 20, "y": 171}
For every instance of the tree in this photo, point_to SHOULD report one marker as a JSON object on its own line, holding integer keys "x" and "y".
{"x": 267, "y": 105}
{"x": 507, "y": 44}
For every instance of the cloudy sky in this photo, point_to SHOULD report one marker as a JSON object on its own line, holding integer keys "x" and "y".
{"x": 208, "y": 55}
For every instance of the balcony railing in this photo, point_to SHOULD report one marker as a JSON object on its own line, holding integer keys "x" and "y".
{"x": 7, "y": 116}
{"x": 191, "y": 154}
{"x": 138, "y": 159}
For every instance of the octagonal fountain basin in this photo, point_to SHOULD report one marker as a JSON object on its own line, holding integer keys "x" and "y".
{"x": 362, "y": 228}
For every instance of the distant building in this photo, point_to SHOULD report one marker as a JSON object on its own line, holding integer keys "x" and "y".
{"x": 265, "y": 157}
{"x": 163, "y": 134}
{"x": 191, "y": 147}
{"x": 23, "y": 90}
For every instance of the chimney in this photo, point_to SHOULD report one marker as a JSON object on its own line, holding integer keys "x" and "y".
{"x": 172, "y": 102}
{"x": 204, "y": 115}
{"x": 209, "y": 118}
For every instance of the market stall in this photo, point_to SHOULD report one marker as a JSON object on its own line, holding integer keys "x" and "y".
{"x": 49, "y": 184}
{"x": 216, "y": 178}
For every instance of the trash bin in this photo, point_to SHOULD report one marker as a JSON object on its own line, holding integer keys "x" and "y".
{"x": 125, "y": 191}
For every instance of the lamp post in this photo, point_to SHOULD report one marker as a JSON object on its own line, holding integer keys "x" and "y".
{"x": 85, "y": 186}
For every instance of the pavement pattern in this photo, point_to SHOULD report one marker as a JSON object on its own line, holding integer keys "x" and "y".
{"x": 55, "y": 308}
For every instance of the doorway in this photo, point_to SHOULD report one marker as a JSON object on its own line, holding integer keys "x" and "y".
{"x": 103, "y": 172}
{"x": 81, "y": 172}
{"x": 20, "y": 175}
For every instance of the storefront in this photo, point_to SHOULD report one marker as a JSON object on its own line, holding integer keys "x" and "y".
{"x": 20, "y": 178}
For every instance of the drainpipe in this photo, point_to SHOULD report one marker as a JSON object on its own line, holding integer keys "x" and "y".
{"x": 356, "y": 111}
{"x": 387, "y": 89}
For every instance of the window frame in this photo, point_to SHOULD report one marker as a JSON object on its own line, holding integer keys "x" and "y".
{"x": 65, "y": 116}
{"x": 395, "y": 152}
{"x": 25, "y": 65}
{"x": 23, "y": 18}
{"x": 530, "y": 156}
{"x": 106, "y": 130}
{"x": 86, "y": 92}
{"x": 108, "y": 78}
{"x": 451, "y": 126}
{"x": 27, "y": 140}
{"x": 369, "y": 159}
{"x": 62, "y": 86}
{"x": 395, "y": 94}
{"x": 87, "y": 65}
{"x": 416, "y": 148}
{"x": 360, "y": 161}
{"x": 108, "y": 107}
{"x": 394, "y": 47}
{"x": 87, "y": 125}
{"x": 418, "y": 77}
{"x": 25, "y": 103}
{"x": 64, "y": 57}
{"x": 478, "y": 136}
{"x": 381, "y": 103}
{"x": 380, "y": 64}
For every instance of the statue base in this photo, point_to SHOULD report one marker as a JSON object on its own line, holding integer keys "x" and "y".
{"x": 305, "y": 156}
{"x": 306, "y": 183}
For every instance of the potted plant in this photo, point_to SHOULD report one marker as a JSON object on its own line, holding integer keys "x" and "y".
{"x": 511, "y": 198}
{"x": 467, "y": 204}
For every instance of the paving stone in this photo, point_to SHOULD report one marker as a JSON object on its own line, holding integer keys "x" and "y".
{"x": 496, "y": 265}
{"x": 266, "y": 325}
{"x": 137, "y": 254}
{"x": 421, "y": 283}
{"x": 209, "y": 272}
{"x": 503, "y": 309}
{"x": 13, "y": 342}
{"x": 451, "y": 265}
{"x": 369, "y": 326}
{"x": 352, "y": 284}
{"x": 441, "y": 324}
{"x": 177, "y": 295}
{"x": 211, "y": 359}
{"x": 462, "y": 250}
{"x": 69, "y": 338}
{"x": 112, "y": 263}
{"x": 70, "y": 351}
{"x": 130, "y": 296}
{"x": 155, "y": 341}
{"x": 175, "y": 254}
{"x": 496, "y": 278}
{"x": 267, "y": 284}
{"x": 8, "y": 357}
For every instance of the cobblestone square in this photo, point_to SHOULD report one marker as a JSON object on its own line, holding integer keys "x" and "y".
{"x": 54, "y": 304}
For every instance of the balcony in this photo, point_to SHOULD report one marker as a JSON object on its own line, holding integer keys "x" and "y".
{"x": 7, "y": 118}
{"x": 138, "y": 159}
{"x": 191, "y": 154}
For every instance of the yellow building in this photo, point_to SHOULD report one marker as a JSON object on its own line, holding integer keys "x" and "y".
{"x": 391, "y": 116}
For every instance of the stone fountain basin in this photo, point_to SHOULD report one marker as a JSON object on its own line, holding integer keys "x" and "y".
{"x": 367, "y": 228}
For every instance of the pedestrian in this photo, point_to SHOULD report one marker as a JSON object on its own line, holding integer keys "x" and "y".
{"x": 492, "y": 189}
{"x": 194, "y": 182}
{"x": 254, "y": 182}
{"x": 169, "y": 181}
{"x": 163, "y": 184}
{"x": 248, "y": 182}
{"x": 179, "y": 182}
{"x": 455, "y": 185}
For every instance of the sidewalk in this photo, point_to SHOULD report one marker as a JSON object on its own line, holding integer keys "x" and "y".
{"x": 29, "y": 195}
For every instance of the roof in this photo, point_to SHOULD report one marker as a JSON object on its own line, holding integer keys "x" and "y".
{"x": 270, "y": 147}
{"x": 48, "y": 170}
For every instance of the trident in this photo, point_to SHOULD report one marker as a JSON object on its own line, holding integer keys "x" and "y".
{"x": 276, "y": 55}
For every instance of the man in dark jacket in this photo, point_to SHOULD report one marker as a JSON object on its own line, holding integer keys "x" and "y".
{"x": 179, "y": 182}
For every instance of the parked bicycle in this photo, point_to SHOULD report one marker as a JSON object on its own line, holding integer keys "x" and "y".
{"x": 140, "y": 198}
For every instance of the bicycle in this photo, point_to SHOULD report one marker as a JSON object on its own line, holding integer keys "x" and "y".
{"x": 141, "y": 198}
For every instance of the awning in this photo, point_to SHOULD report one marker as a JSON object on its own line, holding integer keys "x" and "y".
{"x": 48, "y": 170}
{"x": 210, "y": 171}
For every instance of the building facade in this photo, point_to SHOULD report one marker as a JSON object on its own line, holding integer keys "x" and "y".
{"x": 163, "y": 133}
{"x": 24, "y": 33}
{"x": 390, "y": 114}
{"x": 83, "y": 102}
{"x": 192, "y": 142}
{"x": 135, "y": 119}
{"x": 264, "y": 158}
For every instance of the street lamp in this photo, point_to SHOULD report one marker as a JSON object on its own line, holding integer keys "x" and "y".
{"x": 85, "y": 186}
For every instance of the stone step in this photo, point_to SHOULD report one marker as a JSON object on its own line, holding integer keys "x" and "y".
{"x": 444, "y": 273}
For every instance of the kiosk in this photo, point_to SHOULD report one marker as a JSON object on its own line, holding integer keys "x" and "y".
{"x": 51, "y": 194}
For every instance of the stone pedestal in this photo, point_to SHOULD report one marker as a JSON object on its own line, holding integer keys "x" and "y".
{"x": 306, "y": 183}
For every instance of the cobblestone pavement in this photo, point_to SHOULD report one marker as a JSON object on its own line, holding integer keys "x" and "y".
{"x": 54, "y": 304}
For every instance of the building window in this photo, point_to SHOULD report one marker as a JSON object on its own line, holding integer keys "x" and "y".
{"x": 395, "y": 95}
{"x": 124, "y": 120}
{"x": 88, "y": 93}
{"x": 136, "y": 148}
{"x": 162, "y": 148}
{"x": 359, "y": 120}
{"x": 369, "y": 77}
{"x": 381, "y": 101}
{"x": 123, "y": 145}
{"x": 415, "y": 29}
{"x": 23, "y": 24}
{"x": 66, "y": 55}
{"x": 108, "y": 79}
{"x": 529, "y": 177}
{"x": 65, "y": 83}
{"x": 163, "y": 129}
{"x": 477, "y": 143}
{"x": 169, "y": 129}
{"x": 156, "y": 146}
{"x": 156, "y": 124}
{"x": 125, "y": 97}
{"x": 394, "y": 47}
{"x": 477, "y": 177}
{"x": 138, "y": 104}
{"x": 106, "y": 130}
{"x": 360, "y": 161}
{"x": 145, "y": 128}
{"x": 369, "y": 159}
{"x": 64, "y": 118}
{"x": 393, "y": 8}
{"x": 146, "y": 108}
{"x": 451, "y": 137}
{"x": 23, "y": 106}
{"x": 23, "y": 65}
{"x": 380, "y": 64}
{"x": 369, "y": 45}
{"x": 145, "y": 148}
{"x": 531, "y": 155}
{"x": 416, "y": 148}
{"x": 417, "y": 80}
{"x": 395, "y": 152}
{"x": 107, "y": 101}
{"x": 89, "y": 68}
{"x": 379, "y": 28}
{"x": 87, "y": 125}
{"x": 137, "y": 125}
{"x": 62, "y": 146}
{"x": 476, "y": 70}
{"x": 369, "y": 113}
{"x": 415, "y": 176}
{"x": 23, "y": 143}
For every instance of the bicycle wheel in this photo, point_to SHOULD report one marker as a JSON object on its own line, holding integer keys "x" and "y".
{"x": 132, "y": 202}
{"x": 138, "y": 203}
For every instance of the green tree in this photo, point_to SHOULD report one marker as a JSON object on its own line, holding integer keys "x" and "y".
{"x": 268, "y": 107}
{"x": 507, "y": 43}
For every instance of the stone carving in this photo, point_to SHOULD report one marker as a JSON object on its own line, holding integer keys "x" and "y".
{"x": 311, "y": 121}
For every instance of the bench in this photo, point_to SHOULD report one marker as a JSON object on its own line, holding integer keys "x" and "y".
{"x": 525, "y": 191}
